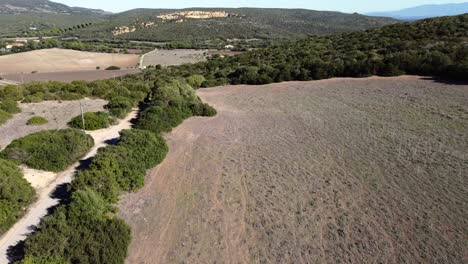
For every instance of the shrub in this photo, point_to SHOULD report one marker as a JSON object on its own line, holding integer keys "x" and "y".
{"x": 196, "y": 81}
{"x": 15, "y": 194}
{"x": 83, "y": 231}
{"x": 11, "y": 92}
{"x": 37, "y": 121}
{"x": 50, "y": 150}
{"x": 119, "y": 107}
{"x": 122, "y": 167}
{"x": 10, "y": 106}
{"x": 4, "y": 116}
{"x": 93, "y": 121}
{"x": 112, "y": 68}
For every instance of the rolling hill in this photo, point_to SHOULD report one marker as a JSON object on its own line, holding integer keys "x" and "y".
{"x": 425, "y": 11}
{"x": 18, "y": 16}
{"x": 30, "y": 17}
{"x": 244, "y": 23}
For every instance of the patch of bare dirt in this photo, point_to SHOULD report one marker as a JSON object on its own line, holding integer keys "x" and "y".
{"x": 68, "y": 76}
{"x": 58, "y": 113}
{"x": 52, "y": 60}
{"x": 335, "y": 171}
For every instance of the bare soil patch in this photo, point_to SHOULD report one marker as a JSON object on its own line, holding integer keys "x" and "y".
{"x": 335, "y": 171}
{"x": 173, "y": 57}
{"x": 58, "y": 113}
{"x": 68, "y": 76}
{"x": 51, "y": 60}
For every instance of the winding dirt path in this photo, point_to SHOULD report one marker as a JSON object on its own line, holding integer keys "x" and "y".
{"x": 45, "y": 200}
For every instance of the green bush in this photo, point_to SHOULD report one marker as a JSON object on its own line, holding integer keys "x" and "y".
{"x": 122, "y": 167}
{"x": 10, "y": 106}
{"x": 93, "y": 121}
{"x": 4, "y": 116}
{"x": 11, "y": 92}
{"x": 112, "y": 68}
{"x": 50, "y": 150}
{"x": 119, "y": 107}
{"x": 85, "y": 230}
{"x": 15, "y": 194}
{"x": 196, "y": 80}
{"x": 37, "y": 121}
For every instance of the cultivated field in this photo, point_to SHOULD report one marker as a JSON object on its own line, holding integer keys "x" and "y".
{"x": 335, "y": 171}
{"x": 51, "y": 60}
{"x": 57, "y": 113}
{"x": 173, "y": 57}
{"x": 68, "y": 76}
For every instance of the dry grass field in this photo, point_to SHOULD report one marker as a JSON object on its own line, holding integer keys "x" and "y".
{"x": 52, "y": 60}
{"x": 335, "y": 171}
{"x": 173, "y": 57}
{"x": 68, "y": 76}
{"x": 57, "y": 113}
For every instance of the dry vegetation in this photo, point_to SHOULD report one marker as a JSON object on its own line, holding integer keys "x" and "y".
{"x": 343, "y": 170}
{"x": 52, "y": 60}
{"x": 173, "y": 57}
{"x": 68, "y": 76}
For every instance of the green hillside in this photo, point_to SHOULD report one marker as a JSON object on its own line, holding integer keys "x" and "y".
{"x": 243, "y": 23}
{"x": 18, "y": 16}
{"x": 429, "y": 47}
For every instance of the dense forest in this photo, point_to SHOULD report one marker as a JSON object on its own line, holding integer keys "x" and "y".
{"x": 85, "y": 229}
{"x": 243, "y": 23}
{"x": 428, "y": 47}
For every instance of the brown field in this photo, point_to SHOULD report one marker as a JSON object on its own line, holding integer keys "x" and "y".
{"x": 90, "y": 75}
{"x": 57, "y": 113}
{"x": 335, "y": 171}
{"x": 52, "y": 60}
{"x": 173, "y": 57}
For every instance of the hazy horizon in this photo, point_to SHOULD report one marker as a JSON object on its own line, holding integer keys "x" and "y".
{"x": 360, "y": 6}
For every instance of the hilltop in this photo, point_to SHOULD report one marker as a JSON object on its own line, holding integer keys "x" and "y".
{"x": 23, "y": 16}
{"x": 227, "y": 23}
{"x": 33, "y": 18}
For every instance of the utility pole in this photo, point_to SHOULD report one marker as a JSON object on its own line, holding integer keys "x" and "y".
{"x": 82, "y": 116}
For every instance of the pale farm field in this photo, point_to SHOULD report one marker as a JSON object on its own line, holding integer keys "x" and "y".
{"x": 335, "y": 171}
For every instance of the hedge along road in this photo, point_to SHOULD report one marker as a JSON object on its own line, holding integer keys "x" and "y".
{"x": 32, "y": 218}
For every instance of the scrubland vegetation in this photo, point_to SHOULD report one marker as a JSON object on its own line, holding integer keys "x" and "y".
{"x": 93, "y": 121}
{"x": 36, "y": 121}
{"x": 85, "y": 229}
{"x": 49, "y": 150}
{"x": 434, "y": 47}
{"x": 15, "y": 194}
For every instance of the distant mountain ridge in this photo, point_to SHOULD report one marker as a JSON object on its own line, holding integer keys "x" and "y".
{"x": 228, "y": 23}
{"x": 27, "y": 17}
{"x": 43, "y": 6}
{"x": 425, "y": 11}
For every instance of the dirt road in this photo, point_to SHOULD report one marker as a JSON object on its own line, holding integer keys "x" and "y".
{"x": 39, "y": 209}
{"x": 334, "y": 171}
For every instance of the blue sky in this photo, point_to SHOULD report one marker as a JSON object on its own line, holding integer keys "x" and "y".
{"x": 349, "y": 6}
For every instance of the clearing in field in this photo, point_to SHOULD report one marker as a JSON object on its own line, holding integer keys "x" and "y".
{"x": 173, "y": 57}
{"x": 52, "y": 60}
{"x": 57, "y": 114}
{"x": 343, "y": 170}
